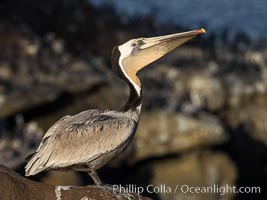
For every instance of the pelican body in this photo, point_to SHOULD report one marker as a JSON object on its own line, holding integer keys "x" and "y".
{"x": 90, "y": 139}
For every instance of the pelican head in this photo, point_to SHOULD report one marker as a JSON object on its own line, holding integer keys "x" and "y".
{"x": 135, "y": 54}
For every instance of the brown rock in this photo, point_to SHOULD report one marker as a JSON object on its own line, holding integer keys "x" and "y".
{"x": 203, "y": 169}
{"x": 14, "y": 186}
{"x": 25, "y": 98}
{"x": 162, "y": 133}
{"x": 207, "y": 92}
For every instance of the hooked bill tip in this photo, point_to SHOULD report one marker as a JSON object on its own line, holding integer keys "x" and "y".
{"x": 202, "y": 30}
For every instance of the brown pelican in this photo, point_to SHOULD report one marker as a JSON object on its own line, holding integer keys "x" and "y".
{"x": 90, "y": 139}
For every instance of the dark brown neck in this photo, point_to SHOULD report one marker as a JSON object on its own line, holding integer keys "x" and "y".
{"x": 135, "y": 100}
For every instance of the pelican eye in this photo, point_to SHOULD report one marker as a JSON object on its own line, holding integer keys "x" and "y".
{"x": 134, "y": 44}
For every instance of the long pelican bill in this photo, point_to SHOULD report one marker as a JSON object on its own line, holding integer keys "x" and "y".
{"x": 173, "y": 40}
{"x": 151, "y": 49}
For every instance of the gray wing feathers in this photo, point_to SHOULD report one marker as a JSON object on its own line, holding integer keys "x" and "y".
{"x": 80, "y": 139}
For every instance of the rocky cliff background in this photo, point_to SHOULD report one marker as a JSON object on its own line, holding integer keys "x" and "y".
{"x": 204, "y": 119}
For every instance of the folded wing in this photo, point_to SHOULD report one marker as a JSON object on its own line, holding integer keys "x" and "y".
{"x": 79, "y": 139}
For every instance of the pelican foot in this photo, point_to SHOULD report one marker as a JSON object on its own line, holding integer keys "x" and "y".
{"x": 108, "y": 188}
